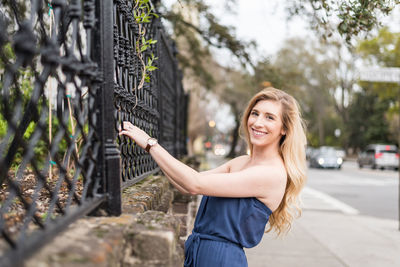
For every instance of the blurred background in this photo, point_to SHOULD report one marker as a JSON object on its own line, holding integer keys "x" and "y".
{"x": 318, "y": 51}
{"x": 231, "y": 49}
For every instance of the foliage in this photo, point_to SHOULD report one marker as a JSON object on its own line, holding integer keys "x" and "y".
{"x": 195, "y": 30}
{"x": 353, "y": 16}
{"x": 368, "y": 120}
{"x": 21, "y": 94}
{"x": 383, "y": 50}
{"x": 304, "y": 70}
{"x": 144, "y": 13}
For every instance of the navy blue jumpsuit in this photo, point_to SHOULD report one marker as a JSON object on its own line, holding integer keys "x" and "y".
{"x": 223, "y": 226}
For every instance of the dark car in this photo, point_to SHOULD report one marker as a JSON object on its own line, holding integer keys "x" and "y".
{"x": 325, "y": 157}
{"x": 379, "y": 156}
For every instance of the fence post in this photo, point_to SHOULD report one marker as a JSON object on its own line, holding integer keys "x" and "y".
{"x": 176, "y": 97}
{"x": 110, "y": 161}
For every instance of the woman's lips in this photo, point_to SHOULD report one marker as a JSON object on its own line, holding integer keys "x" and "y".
{"x": 258, "y": 133}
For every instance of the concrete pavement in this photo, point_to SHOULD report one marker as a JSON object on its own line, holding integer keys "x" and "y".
{"x": 327, "y": 235}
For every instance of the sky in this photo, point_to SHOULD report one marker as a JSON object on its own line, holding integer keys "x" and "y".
{"x": 262, "y": 21}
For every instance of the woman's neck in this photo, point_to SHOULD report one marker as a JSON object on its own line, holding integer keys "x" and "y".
{"x": 263, "y": 154}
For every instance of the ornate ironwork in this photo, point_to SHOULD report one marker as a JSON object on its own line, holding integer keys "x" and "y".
{"x": 137, "y": 105}
{"x": 49, "y": 145}
{"x": 70, "y": 75}
{"x": 157, "y": 106}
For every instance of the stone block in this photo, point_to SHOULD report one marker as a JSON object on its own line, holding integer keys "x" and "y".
{"x": 165, "y": 202}
{"x": 154, "y": 245}
{"x": 180, "y": 207}
{"x": 139, "y": 237}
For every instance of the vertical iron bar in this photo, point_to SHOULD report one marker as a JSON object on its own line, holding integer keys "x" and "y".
{"x": 398, "y": 152}
{"x": 110, "y": 153}
{"x": 175, "y": 99}
{"x": 159, "y": 81}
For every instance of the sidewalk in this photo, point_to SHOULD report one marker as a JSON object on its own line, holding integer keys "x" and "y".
{"x": 328, "y": 234}
{"x": 329, "y": 238}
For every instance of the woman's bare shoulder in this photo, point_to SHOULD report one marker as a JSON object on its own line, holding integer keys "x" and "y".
{"x": 243, "y": 158}
{"x": 273, "y": 171}
{"x": 228, "y": 166}
{"x": 238, "y": 163}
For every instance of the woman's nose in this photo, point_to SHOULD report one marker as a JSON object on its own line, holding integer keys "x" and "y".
{"x": 258, "y": 122}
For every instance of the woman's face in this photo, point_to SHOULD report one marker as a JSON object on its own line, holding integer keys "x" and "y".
{"x": 265, "y": 124}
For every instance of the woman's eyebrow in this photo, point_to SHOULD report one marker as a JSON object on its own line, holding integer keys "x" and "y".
{"x": 267, "y": 113}
{"x": 271, "y": 114}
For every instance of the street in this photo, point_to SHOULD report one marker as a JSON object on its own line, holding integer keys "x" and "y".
{"x": 353, "y": 190}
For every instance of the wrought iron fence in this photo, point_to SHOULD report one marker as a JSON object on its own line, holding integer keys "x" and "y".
{"x": 70, "y": 74}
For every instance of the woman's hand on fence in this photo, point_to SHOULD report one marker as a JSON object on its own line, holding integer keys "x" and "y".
{"x": 134, "y": 133}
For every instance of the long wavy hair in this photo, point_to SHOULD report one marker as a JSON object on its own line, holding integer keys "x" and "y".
{"x": 291, "y": 149}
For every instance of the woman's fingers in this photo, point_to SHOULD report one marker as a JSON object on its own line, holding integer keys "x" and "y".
{"x": 130, "y": 132}
{"x": 126, "y": 125}
{"x": 136, "y": 134}
{"x": 123, "y": 132}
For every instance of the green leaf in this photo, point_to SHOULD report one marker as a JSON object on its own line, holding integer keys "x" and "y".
{"x": 143, "y": 48}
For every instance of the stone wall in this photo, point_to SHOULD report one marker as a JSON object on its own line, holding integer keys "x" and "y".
{"x": 151, "y": 231}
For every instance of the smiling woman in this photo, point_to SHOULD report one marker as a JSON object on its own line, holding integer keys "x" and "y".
{"x": 275, "y": 112}
{"x": 242, "y": 195}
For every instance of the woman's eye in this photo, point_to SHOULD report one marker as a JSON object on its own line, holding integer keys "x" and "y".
{"x": 270, "y": 117}
{"x": 254, "y": 113}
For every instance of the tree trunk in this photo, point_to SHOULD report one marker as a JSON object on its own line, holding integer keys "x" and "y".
{"x": 235, "y": 133}
{"x": 321, "y": 133}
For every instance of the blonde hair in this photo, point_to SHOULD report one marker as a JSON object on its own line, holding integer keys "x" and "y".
{"x": 292, "y": 150}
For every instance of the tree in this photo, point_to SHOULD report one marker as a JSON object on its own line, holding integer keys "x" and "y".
{"x": 236, "y": 89}
{"x": 196, "y": 29}
{"x": 302, "y": 69}
{"x": 368, "y": 121}
{"x": 349, "y": 18}
{"x": 383, "y": 50}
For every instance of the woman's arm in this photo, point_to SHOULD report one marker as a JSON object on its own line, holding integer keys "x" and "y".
{"x": 224, "y": 168}
{"x": 251, "y": 182}
{"x": 177, "y": 186}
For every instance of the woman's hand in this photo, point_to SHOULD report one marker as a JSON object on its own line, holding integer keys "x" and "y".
{"x": 134, "y": 133}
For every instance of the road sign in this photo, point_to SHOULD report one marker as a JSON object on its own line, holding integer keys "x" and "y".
{"x": 390, "y": 75}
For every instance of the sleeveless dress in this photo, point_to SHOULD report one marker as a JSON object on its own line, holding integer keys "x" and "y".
{"x": 223, "y": 226}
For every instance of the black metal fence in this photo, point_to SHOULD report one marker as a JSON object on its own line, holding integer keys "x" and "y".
{"x": 70, "y": 74}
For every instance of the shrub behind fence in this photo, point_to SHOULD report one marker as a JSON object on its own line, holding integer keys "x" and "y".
{"x": 70, "y": 74}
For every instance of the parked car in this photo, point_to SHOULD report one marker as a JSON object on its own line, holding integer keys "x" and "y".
{"x": 325, "y": 157}
{"x": 379, "y": 156}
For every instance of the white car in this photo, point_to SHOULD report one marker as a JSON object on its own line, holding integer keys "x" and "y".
{"x": 325, "y": 157}
{"x": 379, "y": 156}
